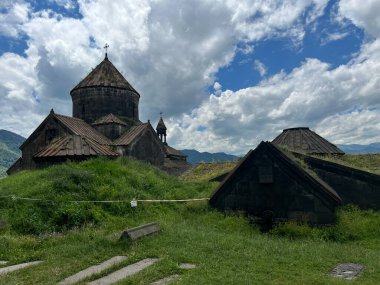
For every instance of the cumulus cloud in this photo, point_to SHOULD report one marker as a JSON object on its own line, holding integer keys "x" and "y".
{"x": 362, "y": 14}
{"x": 311, "y": 95}
{"x": 12, "y": 15}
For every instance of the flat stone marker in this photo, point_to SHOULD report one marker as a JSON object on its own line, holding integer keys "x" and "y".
{"x": 95, "y": 269}
{"x": 346, "y": 270}
{"x": 166, "y": 280}
{"x": 135, "y": 233}
{"x": 3, "y": 262}
{"x": 187, "y": 266}
{"x": 124, "y": 272}
{"x": 5, "y": 270}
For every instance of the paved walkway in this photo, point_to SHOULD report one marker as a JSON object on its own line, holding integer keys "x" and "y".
{"x": 95, "y": 269}
{"x": 5, "y": 270}
{"x": 124, "y": 272}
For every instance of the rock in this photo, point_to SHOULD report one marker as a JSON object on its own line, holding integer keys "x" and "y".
{"x": 166, "y": 280}
{"x": 346, "y": 270}
{"x": 135, "y": 233}
{"x": 187, "y": 266}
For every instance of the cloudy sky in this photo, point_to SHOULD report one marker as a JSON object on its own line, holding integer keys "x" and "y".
{"x": 226, "y": 74}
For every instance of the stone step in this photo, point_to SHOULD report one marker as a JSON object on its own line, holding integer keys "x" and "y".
{"x": 5, "y": 270}
{"x": 95, "y": 269}
{"x": 124, "y": 272}
{"x": 166, "y": 280}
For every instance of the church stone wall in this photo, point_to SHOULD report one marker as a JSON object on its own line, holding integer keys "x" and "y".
{"x": 92, "y": 103}
{"x": 44, "y": 136}
{"x": 111, "y": 131}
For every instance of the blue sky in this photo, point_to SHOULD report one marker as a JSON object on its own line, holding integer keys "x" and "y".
{"x": 226, "y": 74}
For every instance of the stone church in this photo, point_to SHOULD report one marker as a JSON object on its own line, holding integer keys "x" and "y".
{"x": 105, "y": 122}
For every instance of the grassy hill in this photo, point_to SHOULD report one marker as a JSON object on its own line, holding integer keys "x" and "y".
{"x": 227, "y": 249}
{"x": 9, "y": 149}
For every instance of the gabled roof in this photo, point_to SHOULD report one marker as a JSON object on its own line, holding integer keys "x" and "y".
{"x": 73, "y": 125}
{"x": 315, "y": 182}
{"x": 305, "y": 140}
{"x": 105, "y": 74}
{"x": 73, "y": 145}
{"x": 173, "y": 152}
{"x": 131, "y": 134}
{"x": 109, "y": 119}
{"x": 81, "y": 128}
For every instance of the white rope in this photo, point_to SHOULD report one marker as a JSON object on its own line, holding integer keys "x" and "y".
{"x": 14, "y": 197}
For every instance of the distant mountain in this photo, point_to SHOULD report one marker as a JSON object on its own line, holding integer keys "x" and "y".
{"x": 9, "y": 149}
{"x": 194, "y": 156}
{"x": 360, "y": 149}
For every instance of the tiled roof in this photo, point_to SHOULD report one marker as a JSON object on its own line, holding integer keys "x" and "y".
{"x": 105, "y": 74}
{"x": 109, "y": 119}
{"x": 81, "y": 128}
{"x": 73, "y": 145}
{"x": 130, "y": 136}
{"x": 305, "y": 140}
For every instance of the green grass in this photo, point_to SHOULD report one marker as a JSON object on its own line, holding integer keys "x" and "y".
{"x": 207, "y": 171}
{"x": 226, "y": 248}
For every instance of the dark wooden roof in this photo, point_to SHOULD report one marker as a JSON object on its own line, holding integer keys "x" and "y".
{"x": 173, "y": 152}
{"x": 105, "y": 74}
{"x": 314, "y": 182}
{"x": 81, "y": 128}
{"x": 305, "y": 140}
{"x": 73, "y": 145}
{"x": 109, "y": 119}
{"x": 131, "y": 134}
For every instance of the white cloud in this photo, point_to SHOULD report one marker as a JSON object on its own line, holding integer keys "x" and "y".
{"x": 364, "y": 14}
{"x": 67, "y": 4}
{"x": 12, "y": 16}
{"x": 331, "y": 37}
{"x": 342, "y": 104}
{"x": 260, "y": 67}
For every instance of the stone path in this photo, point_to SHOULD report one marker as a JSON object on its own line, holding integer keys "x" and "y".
{"x": 95, "y": 269}
{"x": 124, "y": 272}
{"x": 187, "y": 266}
{"x": 5, "y": 270}
{"x": 166, "y": 280}
{"x": 346, "y": 270}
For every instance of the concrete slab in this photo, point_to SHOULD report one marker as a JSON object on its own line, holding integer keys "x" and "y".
{"x": 135, "y": 233}
{"x": 95, "y": 269}
{"x": 124, "y": 272}
{"x": 187, "y": 266}
{"x": 166, "y": 280}
{"x": 5, "y": 270}
{"x": 346, "y": 270}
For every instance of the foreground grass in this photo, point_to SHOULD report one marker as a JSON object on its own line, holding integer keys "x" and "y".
{"x": 227, "y": 249}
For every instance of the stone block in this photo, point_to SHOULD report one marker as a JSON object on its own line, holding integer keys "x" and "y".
{"x": 135, "y": 233}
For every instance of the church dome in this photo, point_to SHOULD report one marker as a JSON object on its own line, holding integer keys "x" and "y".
{"x": 104, "y": 91}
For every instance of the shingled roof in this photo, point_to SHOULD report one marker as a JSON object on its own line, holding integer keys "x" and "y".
{"x": 161, "y": 125}
{"x": 109, "y": 119}
{"x": 305, "y": 140}
{"x": 73, "y": 145}
{"x": 81, "y": 128}
{"x": 131, "y": 135}
{"x": 105, "y": 74}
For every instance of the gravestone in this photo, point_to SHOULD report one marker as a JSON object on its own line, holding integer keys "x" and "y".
{"x": 135, "y": 233}
{"x": 166, "y": 280}
{"x": 187, "y": 266}
{"x": 346, "y": 270}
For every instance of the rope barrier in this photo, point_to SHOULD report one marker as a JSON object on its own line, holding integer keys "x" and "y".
{"x": 132, "y": 202}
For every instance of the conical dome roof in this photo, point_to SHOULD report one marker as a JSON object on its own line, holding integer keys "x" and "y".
{"x": 305, "y": 140}
{"x": 105, "y": 74}
{"x": 161, "y": 125}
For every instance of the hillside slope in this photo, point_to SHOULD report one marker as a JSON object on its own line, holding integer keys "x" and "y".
{"x": 9, "y": 149}
{"x": 194, "y": 156}
{"x": 61, "y": 227}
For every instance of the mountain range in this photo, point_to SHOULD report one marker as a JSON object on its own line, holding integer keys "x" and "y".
{"x": 10, "y": 152}
{"x": 9, "y": 149}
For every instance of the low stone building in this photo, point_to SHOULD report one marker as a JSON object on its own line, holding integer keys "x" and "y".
{"x": 105, "y": 123}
